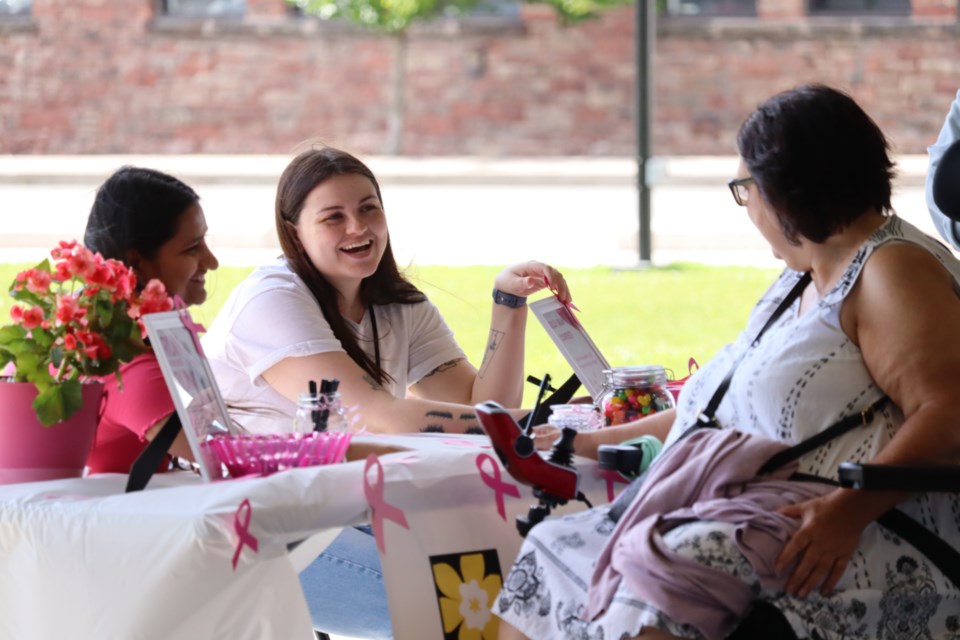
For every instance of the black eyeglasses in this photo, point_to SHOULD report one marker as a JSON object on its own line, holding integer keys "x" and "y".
{"x": 738, "y": 187}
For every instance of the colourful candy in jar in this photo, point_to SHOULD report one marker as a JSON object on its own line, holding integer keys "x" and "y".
{"x": 633, "y": 393}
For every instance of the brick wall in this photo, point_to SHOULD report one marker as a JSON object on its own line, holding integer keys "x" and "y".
{"x": 107, "y": 76}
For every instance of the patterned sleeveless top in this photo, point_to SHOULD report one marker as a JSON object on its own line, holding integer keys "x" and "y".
{"x": 805, "y": 374}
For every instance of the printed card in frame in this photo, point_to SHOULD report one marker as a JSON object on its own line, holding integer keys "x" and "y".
{"x": 574, "y": 343}
{"x": 192, "y": 385}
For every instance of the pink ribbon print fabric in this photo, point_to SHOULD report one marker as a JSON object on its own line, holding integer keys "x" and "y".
{"x": 494, "y": 481}
{"x": 380, "y": 509}
{"x": 241, "y": 524}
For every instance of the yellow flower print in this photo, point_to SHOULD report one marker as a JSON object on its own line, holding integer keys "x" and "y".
{"x": 466, "y": 601}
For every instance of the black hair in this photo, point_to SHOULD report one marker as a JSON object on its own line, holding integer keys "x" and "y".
{"x": 385, "y": 286}
{"x": 136, "y": 209}
{"x": 818, "y": 159}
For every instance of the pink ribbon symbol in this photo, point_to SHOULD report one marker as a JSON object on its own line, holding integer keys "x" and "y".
{"x": 567, "y": 308}
{"x": 242, "y": 527}
{"x": 494, "y": 482}
{"x": 566, "y": 312}
{"x": 612, "y": 477}
{"x": 195, "y": 328}
{"x": 379, "y": 507}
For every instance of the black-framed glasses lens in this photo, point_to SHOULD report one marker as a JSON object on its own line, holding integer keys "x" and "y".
{"x": 738, "y": 187}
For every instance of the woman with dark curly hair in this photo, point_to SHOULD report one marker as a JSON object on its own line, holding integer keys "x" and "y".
{"x": 854, "y": 346}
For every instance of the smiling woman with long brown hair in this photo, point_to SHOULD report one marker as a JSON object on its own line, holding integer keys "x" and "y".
{"x": 335, "y": 306}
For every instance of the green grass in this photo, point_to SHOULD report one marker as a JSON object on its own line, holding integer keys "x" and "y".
{"x": 656, "y": 316}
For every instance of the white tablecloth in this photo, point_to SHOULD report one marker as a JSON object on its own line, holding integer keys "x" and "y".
{"x": 187, "y": 559}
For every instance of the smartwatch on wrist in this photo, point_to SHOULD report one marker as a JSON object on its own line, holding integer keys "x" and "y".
{"x": 508, "y": 299}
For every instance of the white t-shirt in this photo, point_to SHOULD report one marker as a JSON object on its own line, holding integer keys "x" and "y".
{"x": 272, "y": 315}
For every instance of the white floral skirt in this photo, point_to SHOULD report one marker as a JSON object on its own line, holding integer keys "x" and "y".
{"x": 896, "y": 595}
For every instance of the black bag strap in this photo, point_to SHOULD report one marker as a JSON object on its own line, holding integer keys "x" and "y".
{"x": 707, "y": 415}
{"x": 935, "y": 548}
{"x": 150, "y": 458}
{"x": 833, "y": 431}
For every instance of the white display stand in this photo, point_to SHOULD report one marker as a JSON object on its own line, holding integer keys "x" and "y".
{"x": 191, "y": 383}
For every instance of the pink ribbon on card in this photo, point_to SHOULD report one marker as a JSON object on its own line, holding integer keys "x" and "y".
{"x": 566, "y": 312}
{"x": 195, "y": 328}
{"x": 495, "y": 482}
{"x": 612, "y": 477}
{"x": 380, "y": 509}
{"x": 241, "y": 524}
{"x": 567, "y": 308}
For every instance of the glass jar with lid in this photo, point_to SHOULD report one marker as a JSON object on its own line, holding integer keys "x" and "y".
{"x": 634, "y": 392}
{"x": 320, "y": 412}
{"x": 582, "y": 417}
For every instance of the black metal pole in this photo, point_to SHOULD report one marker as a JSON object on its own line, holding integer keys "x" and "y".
{"x": 644, "y": 53}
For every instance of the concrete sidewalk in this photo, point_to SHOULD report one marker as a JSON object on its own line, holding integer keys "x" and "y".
{"x": 453, "y": 211}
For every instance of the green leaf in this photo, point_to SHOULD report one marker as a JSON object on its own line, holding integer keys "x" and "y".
{"x": 12, "y": 332}
{"x": 21, "y": 346}
{"x": 104, "y": 311}
{"x": 25, "y": 295}
{"x": 72, "y": 393}
{"x": 27, "y": 363}
{"x": 58, "y": 402}
{"x": 396, "y": 16}
{"x": 49, "y": 405}
{"x": 39, "y": 376}
{"x": 43, "y": 339}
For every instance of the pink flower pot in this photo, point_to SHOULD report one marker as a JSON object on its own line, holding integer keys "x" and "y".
{"x": 30, "y": 452}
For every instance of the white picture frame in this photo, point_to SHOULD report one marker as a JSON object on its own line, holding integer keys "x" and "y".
{"x": 192, "y": 386}
{"x": 574, "y": 343}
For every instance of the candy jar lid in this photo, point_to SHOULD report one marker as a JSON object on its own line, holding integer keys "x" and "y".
{"x": 582, "y": 417}
{"x": 636, "y": 374}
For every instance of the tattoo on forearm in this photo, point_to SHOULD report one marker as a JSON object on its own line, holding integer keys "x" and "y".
{"x": 493, "y": 343}
{"x": 446, "y": 366}
{"x": 376, "y": 386}
{"x": 433, "y": 427}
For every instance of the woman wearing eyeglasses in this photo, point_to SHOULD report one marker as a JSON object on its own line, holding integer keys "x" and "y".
{"x": 855, "y": 344}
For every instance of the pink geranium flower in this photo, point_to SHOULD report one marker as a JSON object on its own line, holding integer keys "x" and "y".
{"x": 38, "y": 281}
{"x": 77, "y": 318}
{"x": 68, "y": 309}
{"x": 32, "y": 318}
